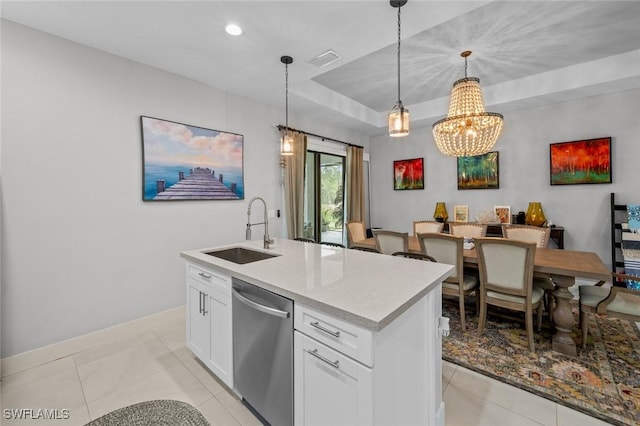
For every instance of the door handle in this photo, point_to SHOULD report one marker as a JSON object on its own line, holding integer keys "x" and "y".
{"x": 204, "y": 304}
{"x": 334, "y": 364}
{"x": 200, "y": 301}
{"x": 258, "y": 307}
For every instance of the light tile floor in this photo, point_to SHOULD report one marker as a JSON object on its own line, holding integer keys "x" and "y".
{"x": 155, "y": 364}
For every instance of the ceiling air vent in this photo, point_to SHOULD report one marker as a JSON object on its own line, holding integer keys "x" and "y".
{"x": 324, "y": 59}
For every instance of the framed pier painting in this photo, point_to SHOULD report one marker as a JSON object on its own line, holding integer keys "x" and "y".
{"x": 587, "y": 161}
{"x": 408, "y": 174}
{"x": 185, "y": 162}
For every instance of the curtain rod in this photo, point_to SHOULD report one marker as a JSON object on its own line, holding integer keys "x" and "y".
{"x": 324, "y": 138}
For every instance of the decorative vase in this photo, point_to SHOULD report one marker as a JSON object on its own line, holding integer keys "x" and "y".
{"x": 440, "y": 214}
{"x": 535, "y": 215}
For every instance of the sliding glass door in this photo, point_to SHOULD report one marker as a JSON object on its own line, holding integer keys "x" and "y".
{"x": 324, "y": 197}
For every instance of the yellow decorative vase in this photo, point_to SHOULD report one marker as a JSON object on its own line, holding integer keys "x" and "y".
{"x": 535, "y": 215}
{"x": 440, "y": 214}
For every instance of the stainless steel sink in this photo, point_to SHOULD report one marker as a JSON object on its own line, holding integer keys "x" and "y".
{"x": 241, "y": 255}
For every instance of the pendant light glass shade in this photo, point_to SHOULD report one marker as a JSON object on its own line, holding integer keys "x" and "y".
{"x": 398, "y": 121}
{"x": 399, "y": 115}
{"x": 286, "y": 142}
{"x": 468, "y": 129}
{"x": 287, "y": 137}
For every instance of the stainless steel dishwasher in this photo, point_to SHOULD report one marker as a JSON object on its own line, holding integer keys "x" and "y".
{"x": 263, "y": 351}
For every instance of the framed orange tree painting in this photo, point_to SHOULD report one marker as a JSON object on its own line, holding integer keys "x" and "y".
{"x": 586, "y": 161}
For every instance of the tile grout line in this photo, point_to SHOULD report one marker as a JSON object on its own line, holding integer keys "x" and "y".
{"x": 84, "y": 395}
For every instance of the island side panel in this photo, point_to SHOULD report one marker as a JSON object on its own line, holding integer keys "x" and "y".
{"x": 408, "y": 366}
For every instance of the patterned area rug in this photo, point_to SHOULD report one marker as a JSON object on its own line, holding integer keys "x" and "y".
{"x": 150, "y": 413}
{"x": 603, "y": 381}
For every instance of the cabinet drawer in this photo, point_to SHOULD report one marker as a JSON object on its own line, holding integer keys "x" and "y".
{"x": 331, "y": 388}
{"x": 213, "y": 279}
{"x": 350, "y": 339}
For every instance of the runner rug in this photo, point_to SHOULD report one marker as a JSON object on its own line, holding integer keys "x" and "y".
{"x": 603, "y": 381}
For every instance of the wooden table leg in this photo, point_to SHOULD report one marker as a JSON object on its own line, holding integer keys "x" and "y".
{"x": 562, "y": 316}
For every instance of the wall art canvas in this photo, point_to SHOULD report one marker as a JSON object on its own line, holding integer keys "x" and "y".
{"x": 578, "y": 162}
{"x": 185, "y": 162}
{"x": 479, "y": 171}
{"x": 408, "y": 174}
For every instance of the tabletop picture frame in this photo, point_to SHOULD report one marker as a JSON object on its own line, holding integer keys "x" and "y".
{"x": 461, "y": 213}
{"x": 503, "y": 213}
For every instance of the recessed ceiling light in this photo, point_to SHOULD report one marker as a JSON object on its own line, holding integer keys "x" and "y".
{"x": 233, "y": 29}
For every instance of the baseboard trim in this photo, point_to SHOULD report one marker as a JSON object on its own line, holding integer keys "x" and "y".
{"x": 35, "y": 357}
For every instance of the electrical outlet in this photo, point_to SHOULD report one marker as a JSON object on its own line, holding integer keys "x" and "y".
{"x": 271, "y": 214}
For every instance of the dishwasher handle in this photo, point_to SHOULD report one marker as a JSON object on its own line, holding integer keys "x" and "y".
{"x": 262, "y": 308}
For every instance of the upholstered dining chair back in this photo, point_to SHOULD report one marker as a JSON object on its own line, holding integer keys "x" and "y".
{"x": 506, "y": 280}
{"x": 356, "y": 231}
{"x": 618, "y": 302}
{"x": 445, "y": 248}
{"x": 468, "y": 230}
{"x": 424, "y": 226}
{"x": 534, "y": 234}
{"x": 389, "y": 242}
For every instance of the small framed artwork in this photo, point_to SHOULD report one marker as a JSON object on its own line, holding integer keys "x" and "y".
{"x": 479, "y": 171}
{"x": 185, "y": 162}
{"x": 579, "y": 162}
{"x": 408, "y": 174}
{"x": 461, "y": 213}
{"x": 503, "y": 213}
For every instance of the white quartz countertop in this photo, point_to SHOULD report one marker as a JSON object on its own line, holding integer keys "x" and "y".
{"x": 368, "y": 289}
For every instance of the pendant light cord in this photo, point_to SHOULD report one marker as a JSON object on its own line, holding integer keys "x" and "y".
{"x": 399, "y": 101}
{"x": 286, "y": 96}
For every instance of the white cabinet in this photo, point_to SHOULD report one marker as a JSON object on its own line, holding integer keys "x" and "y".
{"x": 348, "y": 375}
{"x": 209, "y": 320}
{"x": 331, "y": 388}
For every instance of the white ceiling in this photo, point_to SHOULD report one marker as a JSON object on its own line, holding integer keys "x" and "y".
{"x": 526, "y": 53}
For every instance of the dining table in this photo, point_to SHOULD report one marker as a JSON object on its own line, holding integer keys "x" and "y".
{"x": 562, "y": 266}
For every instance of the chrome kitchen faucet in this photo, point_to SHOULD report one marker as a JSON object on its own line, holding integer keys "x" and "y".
{"x": 267, "y": 240}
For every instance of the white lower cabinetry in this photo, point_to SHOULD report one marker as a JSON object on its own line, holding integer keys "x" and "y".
{"x": 348, "y": 375}
{"x": 209, "y": 320}
{"x": 331, "y": 388}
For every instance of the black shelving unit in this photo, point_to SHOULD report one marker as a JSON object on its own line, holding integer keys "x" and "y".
{"x": 618, "y": 217}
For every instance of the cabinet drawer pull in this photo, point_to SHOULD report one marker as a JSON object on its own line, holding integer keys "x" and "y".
{"x": 203, "y": 275}
{"x": 326, "y": 330}
{"x": 334, "y": 364}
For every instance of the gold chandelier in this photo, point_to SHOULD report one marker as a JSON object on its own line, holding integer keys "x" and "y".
{"x": 468, "y": 129}
{"x": 287, "y": 138}
{"x": 399, "y": 115}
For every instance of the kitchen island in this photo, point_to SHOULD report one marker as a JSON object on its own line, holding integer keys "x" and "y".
{"x": 367, "y": 346}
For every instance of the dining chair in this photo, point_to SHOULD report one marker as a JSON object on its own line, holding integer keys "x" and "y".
{"x": 424, "y": 226}
{"x": 356, "y": 231}
{"x": 389, "y": 242}
{"x": 329, "y": 243}
{"x": 304, "y": 240}
{"x": 618, "y": 302}
{"x": 540, "y": 236}
{"x": 450, "y": 249}
{"x": 413, "y": 255}
{"x": 468, "y": 230}
{"x": 361, "y": 248}
{"x": 506, "y": 280}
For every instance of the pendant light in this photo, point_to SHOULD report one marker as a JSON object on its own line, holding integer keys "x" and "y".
{"x": 468, "y": 129}
{"x": 287, "y": 137}
{"x": 399, "y": 115}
